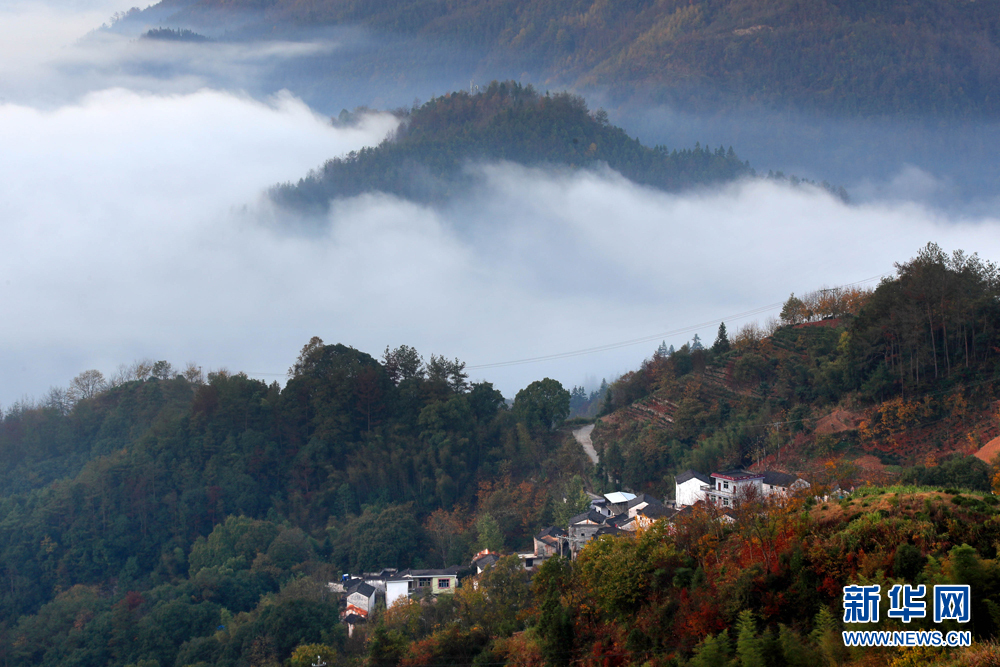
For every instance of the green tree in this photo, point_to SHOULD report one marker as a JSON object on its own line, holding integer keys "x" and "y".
{"x": 721, "y": 344}
{"x": 713, "y": 651}
{"x": 793, "y": 311}
{"x": 542, "y": 404}
{"x": 574, "y": 501}
{"x": 403, "y": 363}
{"x": 489, "y": 534}
{"x": 749, "y": 647}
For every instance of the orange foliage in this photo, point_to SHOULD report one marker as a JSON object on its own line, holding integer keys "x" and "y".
{"x": 517, "y": 507}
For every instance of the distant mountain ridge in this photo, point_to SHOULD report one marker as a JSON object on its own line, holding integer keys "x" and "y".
{"x": 861, "y": 58}
{"x": 426, "y": 157}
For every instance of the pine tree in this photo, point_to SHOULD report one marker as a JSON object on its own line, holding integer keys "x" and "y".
{"x": 749, "y": 646}
{"x": 721, "y": 344}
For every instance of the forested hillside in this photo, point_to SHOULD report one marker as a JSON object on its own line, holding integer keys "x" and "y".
{"x": 425, "y": 158}
{"x": 354, "y": 465}
{"x": 159, "y": 518}
{"x": 850, "y": 385}
{"x": 845, "y": 56}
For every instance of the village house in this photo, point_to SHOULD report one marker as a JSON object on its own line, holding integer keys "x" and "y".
{"x": 730, "y": 485}
{"x": 724, "y": 488}
{"x": 484, "y": 559}
{"x": 782, "y": 483}
{"x": 640, "y": 502}
{"x": 689, "y": 488}
{"x": 433, "y": 582}
{"x": 582, "y": 528}
{"x": 645, "y": 517}
{"x": 361, "y": 599}
{"x": 548, "y": 543}
{"x": 618, "y": 501}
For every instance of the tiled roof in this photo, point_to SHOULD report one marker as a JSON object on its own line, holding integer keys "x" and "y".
{"x": 551, "y": 531}
{"x": 446, "y": 572}
{"x": 656, "y": 511}
{"x": 691, "y": 474}
{"x": 736, "y": 474}
{"x": 643, "y": 498}
{"x": 775, "y": 478}
{"x": 592, "y": 515}
{"x": 363, "y": 588}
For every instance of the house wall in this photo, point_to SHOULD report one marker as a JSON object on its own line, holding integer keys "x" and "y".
{"x": 361, "y": 602}
{"x": 689, "y": 492}
{"x": 444, "y": 585}
{"x": 395, "y": 590}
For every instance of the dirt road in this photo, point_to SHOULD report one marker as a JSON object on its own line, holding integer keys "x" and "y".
{"x": 582, "y": 436}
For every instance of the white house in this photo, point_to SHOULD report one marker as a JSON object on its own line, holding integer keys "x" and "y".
{"x": 729, "y": 485}
{"x": 361, "y": 599}
{"x": 689, "y": 488}
{"x": 396, "y": 589}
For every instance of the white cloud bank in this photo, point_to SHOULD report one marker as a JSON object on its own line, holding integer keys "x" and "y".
{"x": 133, "y": 227}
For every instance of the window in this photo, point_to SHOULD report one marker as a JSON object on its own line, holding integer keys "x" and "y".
{"x": 444, "y": 583}
{"x": 725, "y": 485}
{"x": 423, "y": 581}
{"x": 529, "y": 562}
{"x": 725, "y": 501}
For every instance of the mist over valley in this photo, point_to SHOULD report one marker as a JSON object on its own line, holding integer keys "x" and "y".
{"x": 139, "y": 166}
{"x": 308, "y": 300}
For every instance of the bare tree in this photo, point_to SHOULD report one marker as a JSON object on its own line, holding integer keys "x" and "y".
{"x": 192, "y": 373}
{"x": 86, "y": 385}
{"x": 58, "y": 399}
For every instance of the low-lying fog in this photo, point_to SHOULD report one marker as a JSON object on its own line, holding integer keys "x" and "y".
{"x": 133, "y": 225}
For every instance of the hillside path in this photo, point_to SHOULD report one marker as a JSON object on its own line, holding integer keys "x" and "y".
{"x": 582, "y": 436}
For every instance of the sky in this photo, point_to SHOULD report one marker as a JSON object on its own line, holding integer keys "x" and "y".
{"x": 135, "y": 225}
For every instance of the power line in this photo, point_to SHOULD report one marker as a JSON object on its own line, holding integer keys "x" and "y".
{"x": 646, "y": 339}
{"x": 760, "y": 310}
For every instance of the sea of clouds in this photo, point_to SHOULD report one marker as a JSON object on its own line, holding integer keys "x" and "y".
{"x": 134, "y": 224}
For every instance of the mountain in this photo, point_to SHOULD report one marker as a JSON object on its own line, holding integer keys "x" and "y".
{"x": 921, "y": 57}
{"x": 425, "y": 158}
{"x": 168, "y": 519}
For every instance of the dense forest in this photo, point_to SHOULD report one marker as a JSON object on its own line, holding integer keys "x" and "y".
{"x": 906, "y": 372}
{"x": 425, "y": 159}
{"x": 157, "y": 517}
{"x": 142, "y": 511}
{"x": 844, "y": 56}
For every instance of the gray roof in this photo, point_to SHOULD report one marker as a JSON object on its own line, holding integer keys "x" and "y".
{"x": 608, "y": 530}
{"x": 643, "y": 498}
{"x": 736, "y": 473}
{"x": 691, "y": 474}
{"x": 551, "y": 531}
{"x": 775, "y": 478}
{"x": 592, "y": 515}
{"x": 446, "y": 572}
{"x": 485, "y": 560}
{"x": 363, "y": 588}
{"x": 618, "y": 519}
{"x": 657, "y": 512}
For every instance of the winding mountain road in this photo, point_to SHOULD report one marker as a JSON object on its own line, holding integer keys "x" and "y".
{"x": 582, "y": 436}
